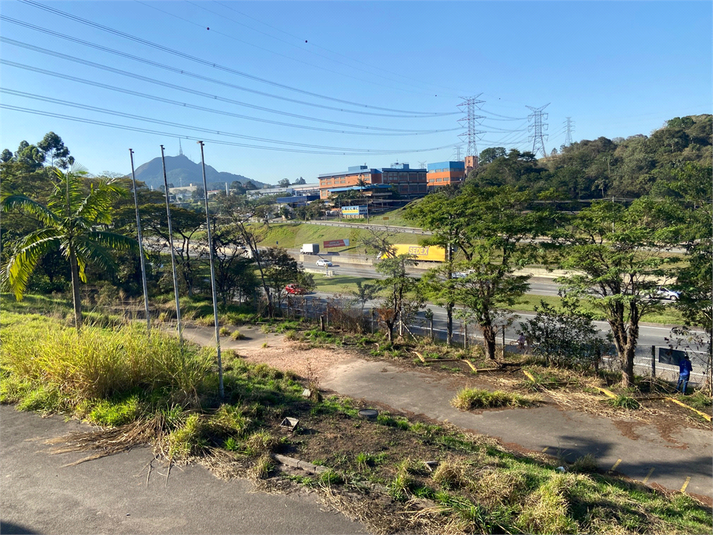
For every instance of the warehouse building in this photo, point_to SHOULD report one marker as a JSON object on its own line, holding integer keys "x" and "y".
{"x": 410, "y": 183}
{"x": 445, "y": 174}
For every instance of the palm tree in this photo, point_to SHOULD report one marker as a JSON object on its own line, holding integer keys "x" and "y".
{"x": 73, "y": 222}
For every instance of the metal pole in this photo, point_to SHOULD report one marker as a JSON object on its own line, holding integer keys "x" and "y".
{"x": 173, "y": 253}
{"x": 653, "y": 362}
{"x": 141, "y": 248}
{"x": 212, "y": 277}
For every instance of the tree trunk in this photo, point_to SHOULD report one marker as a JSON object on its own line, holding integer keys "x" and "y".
{"x": 489, "y": 337}
{"x": 76, "y": 298}
{"x": 390, "y": 330}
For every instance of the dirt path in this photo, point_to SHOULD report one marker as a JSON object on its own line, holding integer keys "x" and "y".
{"x": 678, "y": 458}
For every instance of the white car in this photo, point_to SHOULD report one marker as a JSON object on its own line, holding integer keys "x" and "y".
{"x": 323, "y": 262}
{"x": 665, "y": 293}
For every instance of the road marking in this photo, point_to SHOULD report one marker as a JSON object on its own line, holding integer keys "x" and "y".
{"x": 646, "y": 479}
{"x": 546, "y": 448}
{"x": 615, "y": 465}
{"x": 688, "y": 480}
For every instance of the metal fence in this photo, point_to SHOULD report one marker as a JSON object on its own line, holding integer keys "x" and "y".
{"x": 657, "y": 361}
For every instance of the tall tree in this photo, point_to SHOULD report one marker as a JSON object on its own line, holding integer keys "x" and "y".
{"x": 75, "y": 222}
{"x": 185, "y": 224}
{"x": 55, "y": 151}
{"x": 444, "y": 213}
{"x": 615, "y": 256}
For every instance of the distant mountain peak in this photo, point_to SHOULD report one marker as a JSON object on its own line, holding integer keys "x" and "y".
{"x": 182, "y": 171}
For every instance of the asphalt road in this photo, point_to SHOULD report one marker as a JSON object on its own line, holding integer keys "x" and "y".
{"x": 39, "y": 494}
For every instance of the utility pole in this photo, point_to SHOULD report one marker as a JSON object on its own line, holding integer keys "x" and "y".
{"x": 141, "y": 247}
{"x": 212, "y": 277}
{"x": 536, "y": 118}
{"x": 173, "y": 253}
{"x": 471, "y": 122}
{"x": 569, "y": 125}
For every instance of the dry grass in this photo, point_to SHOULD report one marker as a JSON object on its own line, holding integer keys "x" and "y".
{"x": 475, "y": 398}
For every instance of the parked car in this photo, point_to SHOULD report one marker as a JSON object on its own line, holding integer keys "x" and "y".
{"x": 293, "y": 289}
{"x": 324, "y": 263}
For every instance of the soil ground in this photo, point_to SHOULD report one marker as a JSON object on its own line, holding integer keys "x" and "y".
{"x": 661, "y": 443}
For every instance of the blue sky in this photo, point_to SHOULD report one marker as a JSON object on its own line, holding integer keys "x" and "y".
{"x": 393, "y": 72}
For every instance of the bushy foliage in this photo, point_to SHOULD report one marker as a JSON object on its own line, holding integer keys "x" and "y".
{"x": 565, "y": 337}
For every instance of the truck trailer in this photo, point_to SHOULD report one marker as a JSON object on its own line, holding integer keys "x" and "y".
{"x": 310, "y": 248}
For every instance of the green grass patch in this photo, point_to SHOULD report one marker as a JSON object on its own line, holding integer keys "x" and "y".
{"x": 668, "y": 316}
{"x": 475, "y": 398}
{"x": 293, "y": 235}
{"x": 339, "y": 284}
{"x": 477, "y": 486}
{"x": 624, "y": 402}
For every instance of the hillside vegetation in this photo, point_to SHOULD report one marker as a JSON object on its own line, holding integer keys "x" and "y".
{"x": 603, "y": 168}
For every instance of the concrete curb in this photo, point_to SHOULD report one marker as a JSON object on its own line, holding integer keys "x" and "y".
{"x": 302, "y": 465}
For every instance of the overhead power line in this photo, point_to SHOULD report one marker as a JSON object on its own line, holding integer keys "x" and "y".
{"x": 370, "y": 132}
{"x": 169, "y": 68}
{"x": 216, "y": 141}
{"x": 314, "y": 44}
{"x": 213, "y": 30}
{"x": 218, "y": 66}
{"x": 142, "y": 118}
{"x": 187, "y": 90}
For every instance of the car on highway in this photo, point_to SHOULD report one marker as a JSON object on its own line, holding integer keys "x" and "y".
{"x": 294, "y": 289}
{"x": 324, "y": 263}
{"x": 665, "y": 293}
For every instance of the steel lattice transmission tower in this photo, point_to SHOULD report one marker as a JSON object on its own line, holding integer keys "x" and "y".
{"x": 537, "y": 126}
{"x": 471, "y": 121}
{"x": 569, "y": 125}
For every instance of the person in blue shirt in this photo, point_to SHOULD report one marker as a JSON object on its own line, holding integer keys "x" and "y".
{"x": 684, "y": 374}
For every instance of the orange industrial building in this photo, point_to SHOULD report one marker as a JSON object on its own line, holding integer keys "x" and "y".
{"x": 445, "y": 174}
{"x": 410, "y": 183}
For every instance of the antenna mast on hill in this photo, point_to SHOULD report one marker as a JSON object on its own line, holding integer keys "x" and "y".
{"x": 536, "y": 117}
{"x": 180, "y": 148}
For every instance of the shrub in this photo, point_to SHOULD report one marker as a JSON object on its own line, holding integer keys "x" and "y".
{"x": 475, "y": 398}
{"x": 624, "y": 402}
{"x": 224, "y": 331}
{"x": 331, "y": 477}
{"x": 564, "y": 337}
{"x": 237, "y": 335}
{"x": 188, "y": 439}
{"x": 586, "y": 464}
{"x": 98, "y": 364}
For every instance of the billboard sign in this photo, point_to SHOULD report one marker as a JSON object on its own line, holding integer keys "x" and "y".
{"x": 354, "y": 210}
{"x": 335, "y": 243}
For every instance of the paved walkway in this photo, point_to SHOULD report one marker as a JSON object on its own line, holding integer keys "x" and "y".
{"x": 638, "y": 451}
{"x": 112, "y": 495}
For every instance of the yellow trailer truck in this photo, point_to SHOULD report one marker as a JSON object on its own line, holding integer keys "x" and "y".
{"x": 422, "y": 253}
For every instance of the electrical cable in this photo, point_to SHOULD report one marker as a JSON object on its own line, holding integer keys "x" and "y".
{"x": 166, "y": 67}
{"x": 187, "y": 90}
{"x": 193, "y": 138}
{"x": 87, "y": 107}
{"x": 455, "y": 94}
{"x": 218, "y": 65}
{"x": 203, "y": 108}
{"x": 229, "y": 36}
